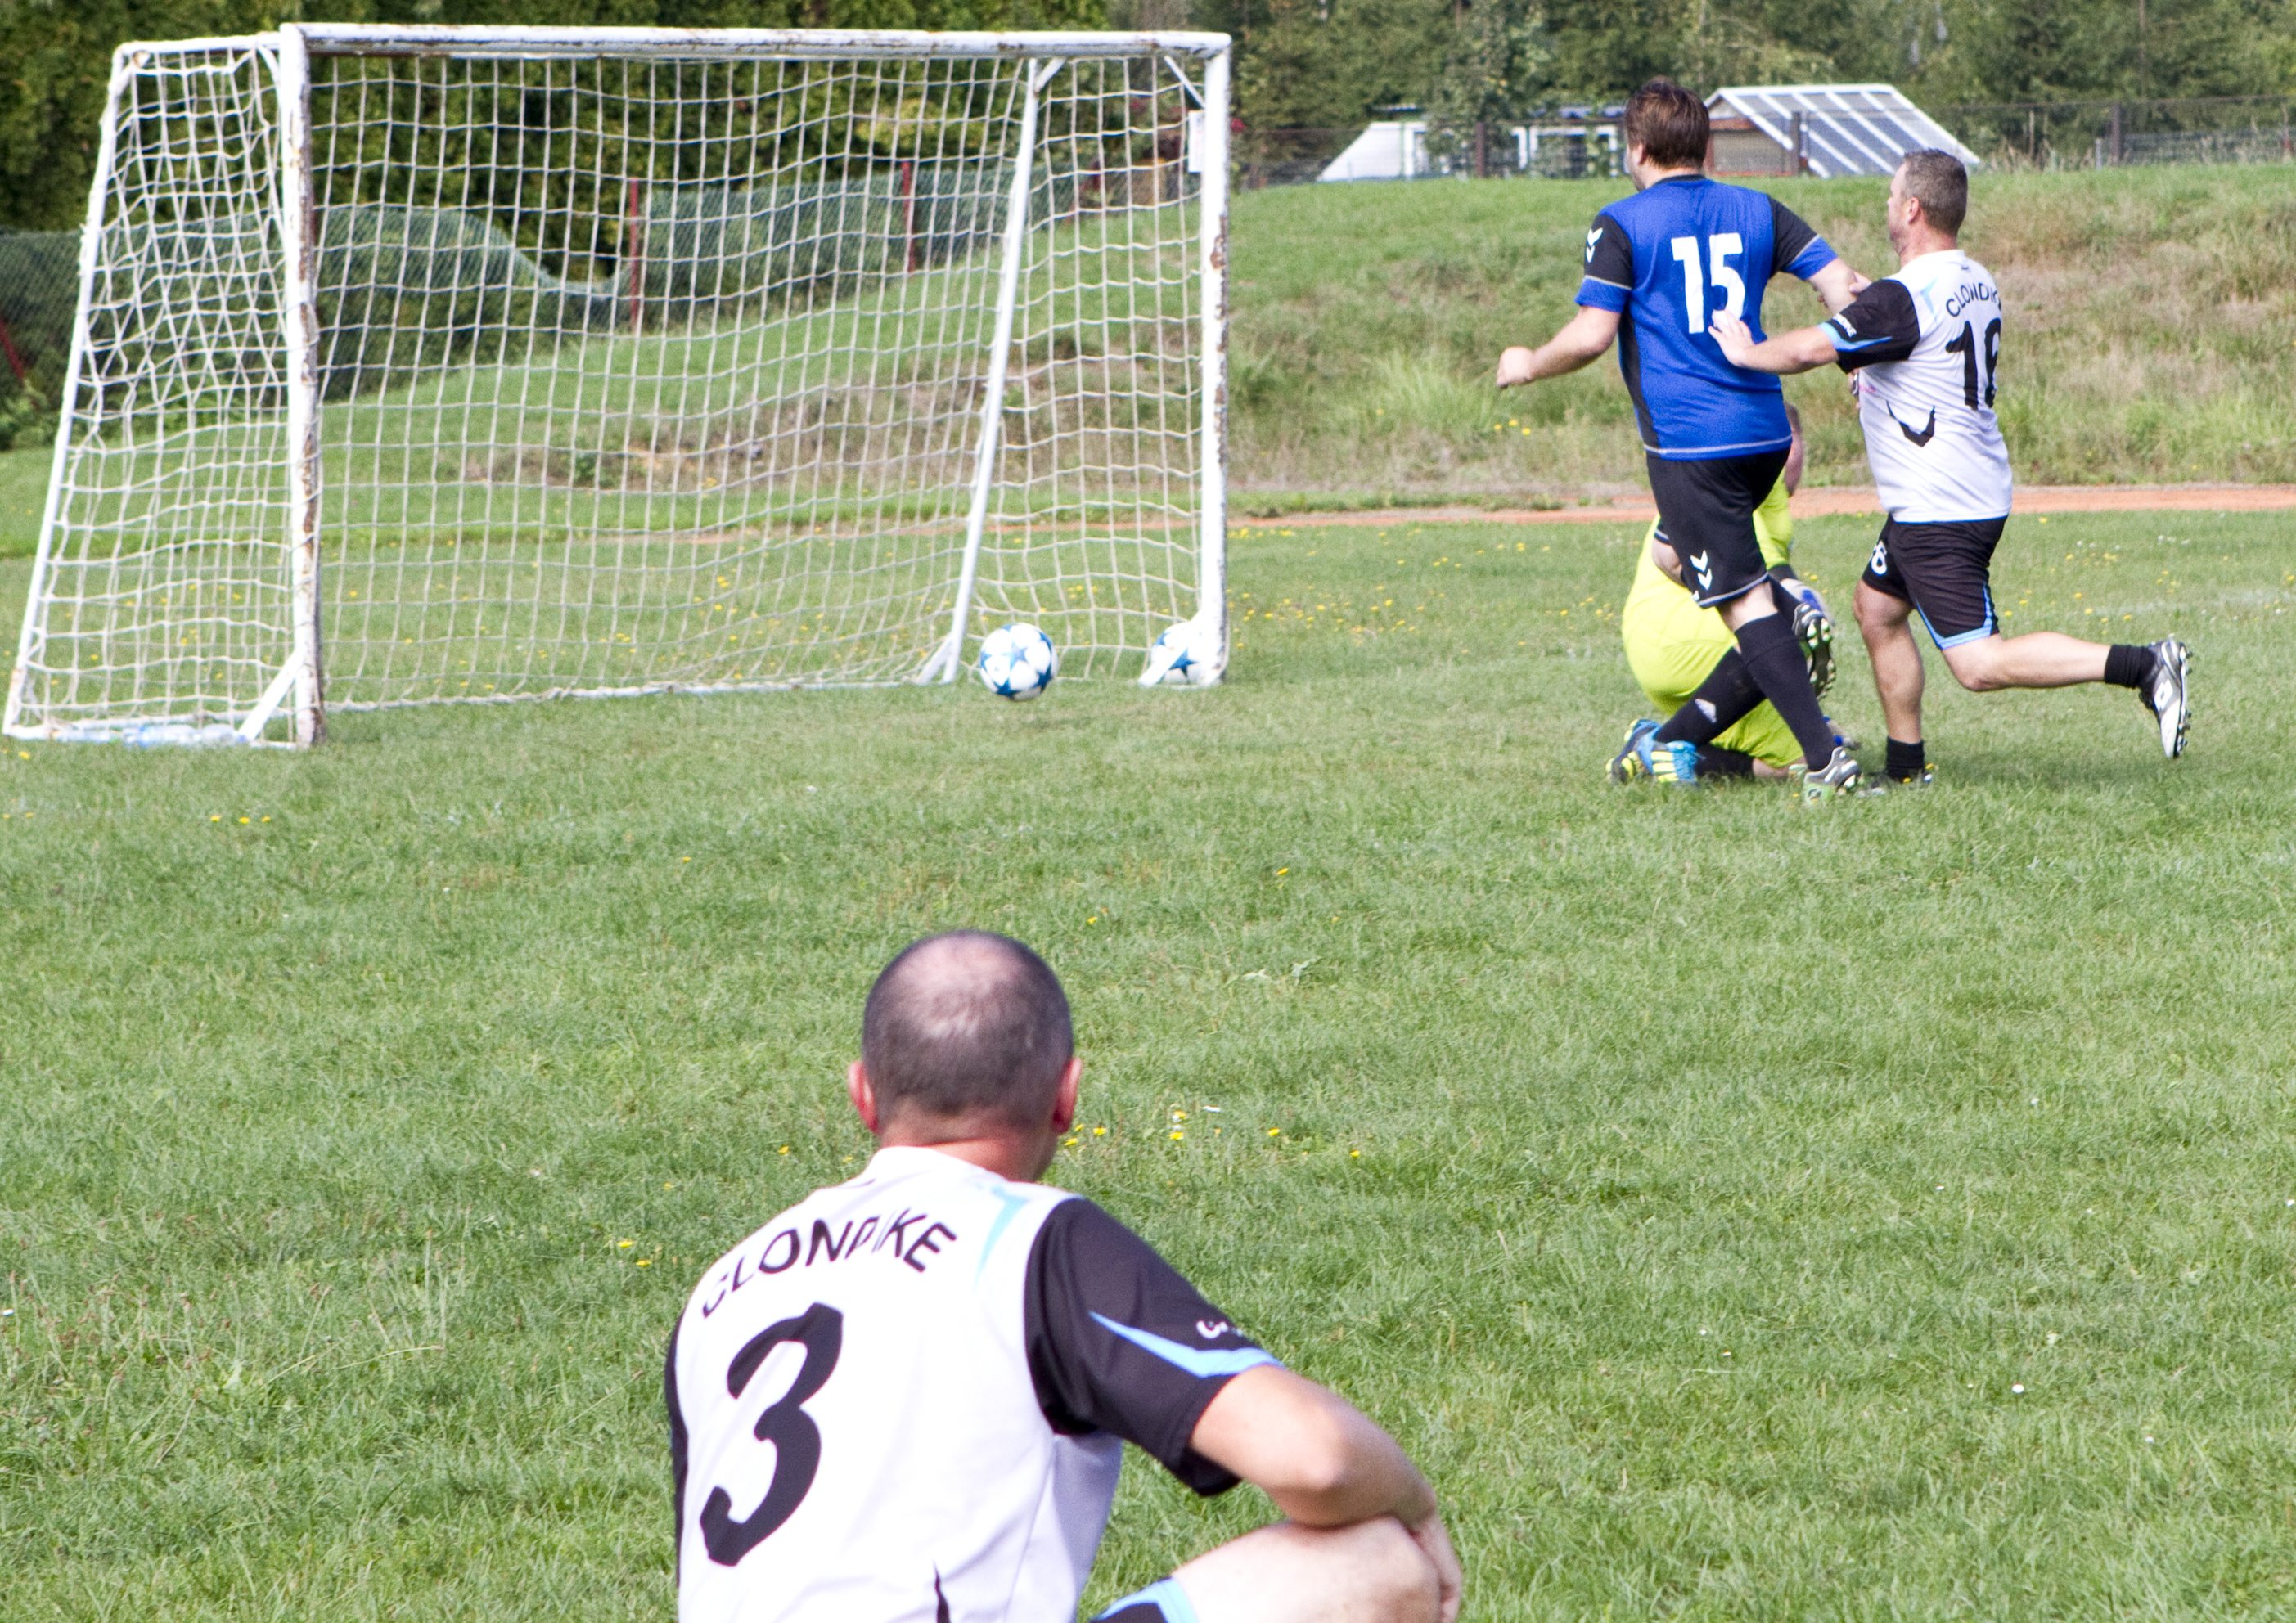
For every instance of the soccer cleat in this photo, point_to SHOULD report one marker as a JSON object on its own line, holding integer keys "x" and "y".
{"x": 1627, "y": 764}
{"x": 1642, "y": 756}
{"x": 2169, "y": 694}
{"x": 1887, "y": 783}
{"x": 1814, "y": 632}
{"x": 1838, "y": 776}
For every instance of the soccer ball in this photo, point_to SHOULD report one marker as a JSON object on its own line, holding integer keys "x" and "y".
{"x": 1186, "y": 655}
{"x": 1017, "y": 661}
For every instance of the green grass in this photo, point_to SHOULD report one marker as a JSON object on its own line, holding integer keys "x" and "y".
{"x": 1723, "y": 1172}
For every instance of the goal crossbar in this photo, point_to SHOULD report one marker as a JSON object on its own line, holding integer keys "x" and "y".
{"x": 508, "y": 362}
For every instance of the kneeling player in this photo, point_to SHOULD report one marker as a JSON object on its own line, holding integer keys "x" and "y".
{"x": 901, "y": 1401}
{"x": 1923, "y": 345}
{"x": 1676, "y": 648}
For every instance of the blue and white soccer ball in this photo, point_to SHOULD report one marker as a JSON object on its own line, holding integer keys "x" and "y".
{"x": 1017, "y": 661}
{"x": 1186, "y": 655}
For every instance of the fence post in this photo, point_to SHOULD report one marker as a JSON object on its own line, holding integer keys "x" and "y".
{"x": 1483, "y": 149}
{"x": 2117, "y": 140}
{"x": 633, "y": 255}
{"x": 1800, "y": 146}
{"x": 909, "y": 213}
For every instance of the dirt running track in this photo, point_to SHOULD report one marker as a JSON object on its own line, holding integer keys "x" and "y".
{"x": 1834, "y": 500}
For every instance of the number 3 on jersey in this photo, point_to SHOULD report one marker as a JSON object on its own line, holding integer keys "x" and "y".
{"x": 1719, "y": 248}
{"x": 820, "y": 1329}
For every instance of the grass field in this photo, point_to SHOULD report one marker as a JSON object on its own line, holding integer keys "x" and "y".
{"x": 1886, "y": 1213}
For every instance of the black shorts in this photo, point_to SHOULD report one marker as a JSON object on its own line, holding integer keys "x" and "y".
{"x": 1706, "y": 514}
{"x": 1943, "y": 570}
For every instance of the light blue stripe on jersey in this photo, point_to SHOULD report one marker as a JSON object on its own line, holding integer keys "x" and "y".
{"x": 1165, "y": 1594}
{"x": 1198, "y": 1360}
{"x": 1014, "y": 1206}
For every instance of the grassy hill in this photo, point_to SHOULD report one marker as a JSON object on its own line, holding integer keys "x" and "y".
{"x": 2151, "y": 320}
{"x": 2152, "y": 333}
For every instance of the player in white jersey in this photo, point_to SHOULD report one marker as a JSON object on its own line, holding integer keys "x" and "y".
{"x": 904, "y": 1400}
{"x": 1921, "y": 346}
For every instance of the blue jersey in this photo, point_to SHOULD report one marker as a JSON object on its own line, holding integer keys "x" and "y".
{"x": 1667, "y": 258}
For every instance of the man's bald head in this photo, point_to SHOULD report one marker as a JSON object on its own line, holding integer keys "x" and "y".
{"x": 967, "y": 1026}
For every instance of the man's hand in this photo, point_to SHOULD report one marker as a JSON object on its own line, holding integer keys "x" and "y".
{"x": 1735, "y": 339}
{"x": 1432, "y": 1537}
{"x": 1584, "y": 337}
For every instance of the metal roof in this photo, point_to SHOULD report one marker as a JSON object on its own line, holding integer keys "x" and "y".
{"x": 1847, "y": 129}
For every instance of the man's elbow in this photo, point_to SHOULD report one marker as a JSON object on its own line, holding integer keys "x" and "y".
{"x": 1322, "y": 1463}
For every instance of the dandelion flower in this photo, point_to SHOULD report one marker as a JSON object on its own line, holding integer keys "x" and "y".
{"x": 784, "y": 1150}
{"x": 626, "y": 1244}
{"x": 646, "y": 1262}
{"x": 1103, "y": 1132}
{"x": 1177, "y": 1135}
{"x": 1276, "y": 1132}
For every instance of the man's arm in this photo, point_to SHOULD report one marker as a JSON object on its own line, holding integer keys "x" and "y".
{"x": 1583, "y": 339}
{"x": 1321, "y": 1461}
{"x": 1838, "y": 286}
{"x": 1804, "y": 349}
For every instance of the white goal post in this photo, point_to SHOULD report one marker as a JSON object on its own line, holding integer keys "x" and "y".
{"x": 505, "y": 362}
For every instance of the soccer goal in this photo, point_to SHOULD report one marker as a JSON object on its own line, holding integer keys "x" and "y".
{"x": 420, "y": 365}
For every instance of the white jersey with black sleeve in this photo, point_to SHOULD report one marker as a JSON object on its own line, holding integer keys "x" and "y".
{"x": 901, "y": 1401}
{"x": 1922, "y": 347}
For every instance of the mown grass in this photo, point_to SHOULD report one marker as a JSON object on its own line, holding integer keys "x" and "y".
{"x": 1724, "y": 1171}
{"x": 2152, "y": 333}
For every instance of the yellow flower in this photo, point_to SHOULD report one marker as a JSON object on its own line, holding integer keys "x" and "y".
{"x": 216, "y": 818}
{"x": 784, "y": 1150}
{"x": 1100, "y": 1132}
{"x": 242, "y": 821}
{"x": 1355, "y": 1155}
{"x": 1276, "y": 1132}
{"x": 646, "y": 1262}
{"x": 626, "y": 1244}
{"x": 1177, "y": 1135}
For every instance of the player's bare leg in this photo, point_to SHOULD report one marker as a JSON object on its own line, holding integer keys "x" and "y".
{"x": 2038, "y": 659}
{"x": 1886, "y": 623}
{"x": 1370, "y": 1572}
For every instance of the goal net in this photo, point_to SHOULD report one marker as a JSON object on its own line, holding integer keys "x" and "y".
{"x": 427, "y": 365}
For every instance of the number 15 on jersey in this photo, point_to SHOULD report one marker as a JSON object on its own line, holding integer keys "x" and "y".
{"x": 1721, "y": 247}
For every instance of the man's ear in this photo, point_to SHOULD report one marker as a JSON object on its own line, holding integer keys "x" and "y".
{"x": 864, "y": 1096}
{"x": 1064, "y": 1099}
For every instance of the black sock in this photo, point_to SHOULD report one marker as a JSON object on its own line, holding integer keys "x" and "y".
{"x": 2126, "y": 664}
{"x": 1906, "y": 760}
{"x": 1715, "y": 762}
{"x": 1728, "y": 696}
{"x": 1774, "y": 659}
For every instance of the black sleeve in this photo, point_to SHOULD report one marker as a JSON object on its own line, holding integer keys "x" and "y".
{"x": 1880, "y": 324}
{"x": 1795, "y": 247}
{"x": 1610, "y": 253}
{"x": 677, "y": 1447}
{"x": 1117, "y": 1341}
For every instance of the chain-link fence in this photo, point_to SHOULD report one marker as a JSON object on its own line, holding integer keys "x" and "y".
{"x": 2102, "y": 135}
{"x": 39, "y": 281}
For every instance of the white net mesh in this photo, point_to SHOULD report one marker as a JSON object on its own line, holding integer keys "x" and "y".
{"x": 638, "y": 369}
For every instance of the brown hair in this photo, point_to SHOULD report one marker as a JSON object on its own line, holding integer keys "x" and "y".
{"x": 1669, "y": 124}
{"x": 967, "y": 1026}
{"x": 1937, "y": 181}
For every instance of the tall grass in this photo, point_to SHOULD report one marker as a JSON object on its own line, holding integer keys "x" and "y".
{"x": 2152, "y": 333}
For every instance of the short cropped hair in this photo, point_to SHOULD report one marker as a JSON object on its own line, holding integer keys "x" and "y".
{"x": 1941, "y": 184}
{"x": 967, "y": 1026}
{"x": 1669, "y": 124}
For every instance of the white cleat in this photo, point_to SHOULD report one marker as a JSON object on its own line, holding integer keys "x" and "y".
{"x": 2169, "y": 694}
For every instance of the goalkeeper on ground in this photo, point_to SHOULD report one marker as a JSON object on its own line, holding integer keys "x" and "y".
{"x": 1673, "y": 645}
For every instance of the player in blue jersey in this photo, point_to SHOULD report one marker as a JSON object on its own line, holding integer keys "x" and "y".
{"x": 1659, "y": 264}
